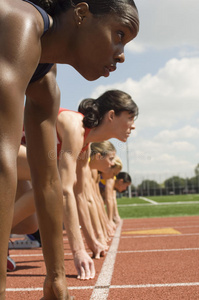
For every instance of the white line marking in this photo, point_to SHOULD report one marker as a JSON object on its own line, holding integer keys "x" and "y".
{"x": 100, "y": 293}
{"x": 153, "y": 285}
{"x": 148, "y": 200}
{"x": 157, "y": 236}
{"x": 41, "y": 289}
{"x": 81, "y": 287}
{"x": 157, "y": 203}
{"x": 23, "y": 289}
{"x": 102, "y": 285}
{"x": 158, "y": 227}
{"x": 136, "y": 286}
{"x": 31, "y": 254}
{"x": 159, "y": 250}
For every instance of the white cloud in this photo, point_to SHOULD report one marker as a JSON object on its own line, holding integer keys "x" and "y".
{"x": 167, "y": 98}
{"x": 187, "y": 132}
{"x": 182, "y": 146}
{"x": 135, "y": 47}
{"x": 165, "y": 24}
{"x": 187, "y": 53}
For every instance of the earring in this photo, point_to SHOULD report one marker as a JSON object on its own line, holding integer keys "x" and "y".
{"x": 80, "y": 22}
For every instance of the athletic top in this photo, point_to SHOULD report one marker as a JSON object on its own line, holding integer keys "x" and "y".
{"x": 42, "y": 69}
{"x": 59, "y": 142}
{"x": 102, "y": 185}
{"x": 102, "y": 182}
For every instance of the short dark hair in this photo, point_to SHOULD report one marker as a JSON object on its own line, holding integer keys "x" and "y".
{"x": 125, "y": 176}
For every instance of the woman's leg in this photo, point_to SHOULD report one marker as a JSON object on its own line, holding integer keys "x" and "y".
{"x": 23, "y": 169}
{"x": 11, "y": 117}
{"x": 27, "y": 226}
{"x": 24, "y": 219}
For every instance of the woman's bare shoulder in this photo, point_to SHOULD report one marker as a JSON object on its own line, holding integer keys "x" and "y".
{"x": 20, "y": 15}
{"x": 22, "y": 27}
{"x": 70, "y": 123}
{"x": 68, "y": 118}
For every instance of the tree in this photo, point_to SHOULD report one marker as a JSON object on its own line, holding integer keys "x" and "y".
{"x": 196, "y": 170}
{"x": 174, "y": 182}
{"x": 148, "y": 184}
{"x": 193, "y": 182}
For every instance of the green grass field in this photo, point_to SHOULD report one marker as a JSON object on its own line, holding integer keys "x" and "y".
{"x": 164, "y": 206}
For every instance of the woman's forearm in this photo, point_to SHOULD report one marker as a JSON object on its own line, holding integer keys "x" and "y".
{"x": 71, "y": 222}
{"x": 95, "y": 219}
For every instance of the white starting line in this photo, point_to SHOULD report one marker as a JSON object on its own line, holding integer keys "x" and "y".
{"x": 101, "y": 289}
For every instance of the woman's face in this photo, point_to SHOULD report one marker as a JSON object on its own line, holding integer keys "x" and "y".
{"x": 123, "y": 124}
{"x": 100, "y": 45}
{"x": 121, "y": 186}
{"x": 113, "y": 171}
{"x": 106, "y": 162}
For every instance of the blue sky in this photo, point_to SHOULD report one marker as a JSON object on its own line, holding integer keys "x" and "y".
{"x": 161, "y": 73}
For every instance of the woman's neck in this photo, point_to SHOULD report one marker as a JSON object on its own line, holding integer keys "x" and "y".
{"x": 98, "y": 134}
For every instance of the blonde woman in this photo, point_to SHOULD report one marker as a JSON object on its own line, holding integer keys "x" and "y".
{"x": 99, "y": 151}
{"x": 106, "y": 184}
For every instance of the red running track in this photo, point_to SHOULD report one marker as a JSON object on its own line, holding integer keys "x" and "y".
{"x": 155, "y": 258}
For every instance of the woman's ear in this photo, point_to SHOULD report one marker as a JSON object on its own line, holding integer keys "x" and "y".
{"x": 111, "y": 114}
{"x": 98, "y": 156}
{"x": 81, "y": 10}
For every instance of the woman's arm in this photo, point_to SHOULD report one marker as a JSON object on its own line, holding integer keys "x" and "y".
{"x": 116, "y": 216}
{"x": 109, "y": 199}
{"x": 109, "y": 225}
{"x": 94, "y": 214}
{"x": 96, "y": 247}
{"x": 71, "y": 146}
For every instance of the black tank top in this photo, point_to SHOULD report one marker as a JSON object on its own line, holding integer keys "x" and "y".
{"x": 42, "y": 69}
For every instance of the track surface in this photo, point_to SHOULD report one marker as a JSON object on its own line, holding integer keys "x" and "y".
{"x": 155, "y": 258}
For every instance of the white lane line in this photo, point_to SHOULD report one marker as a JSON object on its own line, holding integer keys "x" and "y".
{"x": 158, "y": 227}
{"x": 135, "y": 286}
{"x": 157, "y": 236}
{"x": 31, "y": 254}
{"x": 101, "y": 289}
{"x": 138, "y": 286}
{"x": 41, "y": 289}
{"x": 148, "y": 200}
{"x": 157, "y": 203}
{"x": 37, "y": 255}
{"x": 159, "y": 250}
{"x": 23, "y": 289}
